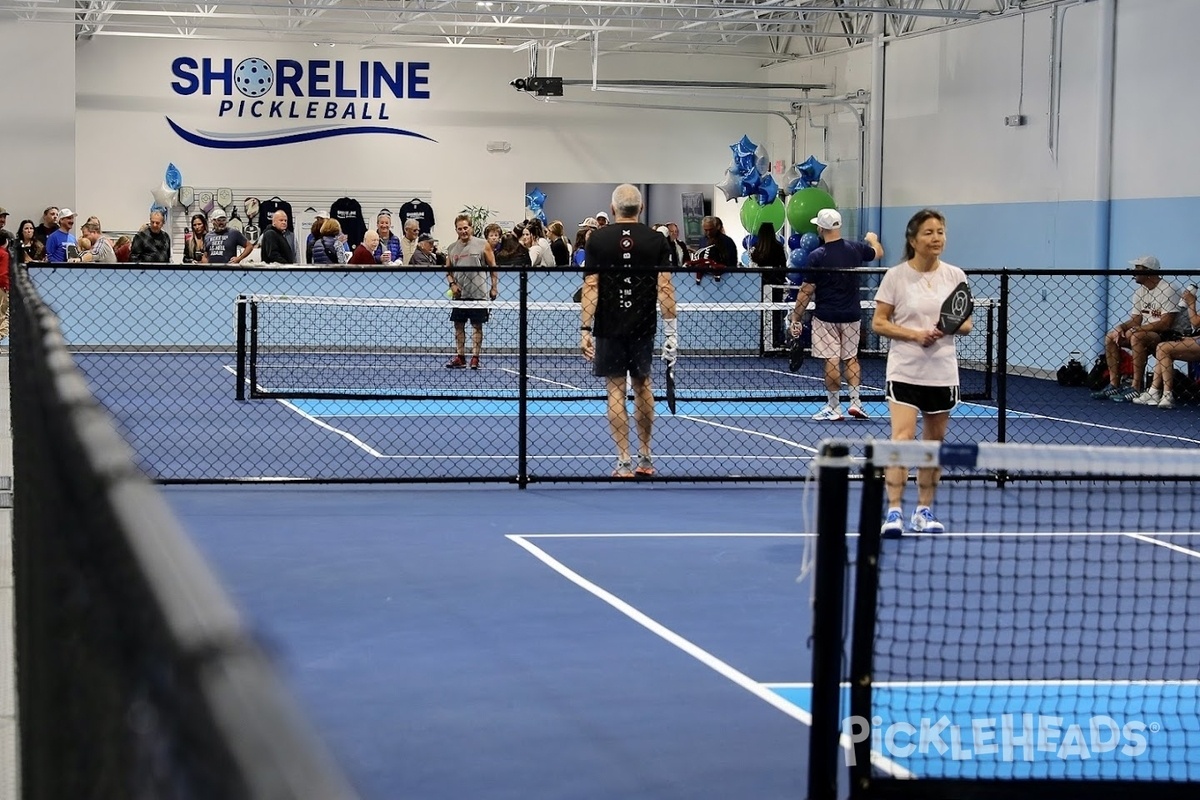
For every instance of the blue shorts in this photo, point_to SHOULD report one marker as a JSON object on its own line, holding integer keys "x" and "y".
{"x": 928, "y": 399}
{"x": 619, "y": 356}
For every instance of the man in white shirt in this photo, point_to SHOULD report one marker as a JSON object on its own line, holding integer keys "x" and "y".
{"x": 1155, "y": 303}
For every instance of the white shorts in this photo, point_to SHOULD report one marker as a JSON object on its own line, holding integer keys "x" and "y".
{"x": 835, "y": 339}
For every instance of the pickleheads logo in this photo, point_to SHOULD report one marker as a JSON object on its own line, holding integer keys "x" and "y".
{"x": 341, "y": 98}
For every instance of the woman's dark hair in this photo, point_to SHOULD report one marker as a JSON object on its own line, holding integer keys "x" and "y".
{"x": 200, "y": 217}
{"x": 914, "y": 225}
{"x": 509, "y": 246}
{"x": 768, "y": 252}
{"x": 21, "y": 227}
{"x": 580, "y": 238}
{"x": 534, "y": 226}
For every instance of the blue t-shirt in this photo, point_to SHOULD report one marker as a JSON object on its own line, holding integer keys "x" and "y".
{"x": 56, "y": 246}
{"x": 838, "y": 295}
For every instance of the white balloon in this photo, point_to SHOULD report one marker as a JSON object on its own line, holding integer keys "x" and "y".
{"x": 731, "y": 186}
{"x": 164, "y": 195}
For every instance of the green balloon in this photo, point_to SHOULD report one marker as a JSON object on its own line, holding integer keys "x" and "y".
{"x": 754, "y": 214}
{"x": 804, "y": 205}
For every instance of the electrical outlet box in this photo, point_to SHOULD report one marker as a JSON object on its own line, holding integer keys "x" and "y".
{"x": 1015, "y": 120}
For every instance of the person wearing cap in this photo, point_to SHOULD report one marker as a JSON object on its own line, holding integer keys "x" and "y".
{"x": 423, "y": 256}
{"x": 1155, "y": 304}
{"x": 225, "y": 245}
{"x": 837, "y": 314}
{"x": 589, "y": 223}
{"x": 922, "y": 362}
{"x": 601, "y": 219}
{"x": 57, "y": 242}
{"x": 4, "y": 220}
{"x": 275, "y": 247}
{"x": 151, "y": 245}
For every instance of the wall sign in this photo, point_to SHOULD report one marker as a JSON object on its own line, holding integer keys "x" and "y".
{"x": 306, "y": 100}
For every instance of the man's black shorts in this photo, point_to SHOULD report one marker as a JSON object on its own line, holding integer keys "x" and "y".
{"x": 476, "y": 316}
{"x": 617, "y": 356}
{"x": 929, "y": 399}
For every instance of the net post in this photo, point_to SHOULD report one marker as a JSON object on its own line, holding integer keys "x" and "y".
{"x": 253, "y": 348}
{"x": 1002, "y": 363}
{"x": 833, "y": 477}
{"x": 862, "y": 647}
{"x": 523, "y": 382}
{"x": 240, "y": 306}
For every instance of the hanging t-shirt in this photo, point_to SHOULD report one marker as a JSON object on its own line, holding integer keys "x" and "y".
{"x": 420, "y": 211}
{"x": 348, "y": 213}
{"x": 267, "y": 209}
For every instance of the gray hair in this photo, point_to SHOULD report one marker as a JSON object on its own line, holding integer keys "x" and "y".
{"x": 627, "y": 201}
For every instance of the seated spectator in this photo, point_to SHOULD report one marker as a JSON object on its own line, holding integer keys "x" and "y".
{"x": 1178, "y": 344}
{"x": 364, "y": 254}
{"x": 122, "y": 248}
{"x": 1155, "y": 303}
{"x": 424, "y": 255}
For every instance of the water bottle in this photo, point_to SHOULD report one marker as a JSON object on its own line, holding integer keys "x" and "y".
{"x": 1191, "y": 287}
{"x": 1075, "y": 356}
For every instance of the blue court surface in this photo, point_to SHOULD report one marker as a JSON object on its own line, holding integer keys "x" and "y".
{"x": 652, "y": 641}
{"x": 179, "y": 412}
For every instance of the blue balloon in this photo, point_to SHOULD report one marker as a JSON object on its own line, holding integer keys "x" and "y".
{"x": 810, "y": 242}
{"x": 746, "y": 243}
{"x": 745, "y": 259}
{"x": 767, "y": 190}
{"x": 810, "y": 170}
{"x": 796, "y": 258}
{"x": 749, "y": 182}
{"x": 779, "y": 237}
{"x": 793, "y": 241}
{"x": 173, "y": 179}
{"x": 535, "y": 199}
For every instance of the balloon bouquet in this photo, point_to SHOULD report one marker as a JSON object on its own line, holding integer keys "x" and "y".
{"x": 533, "y": 205}
{"x": 805, "y": 199}
{"x": 167, "y": 192}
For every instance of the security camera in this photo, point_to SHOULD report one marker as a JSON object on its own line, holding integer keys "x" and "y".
{"x": 518, "y": 84}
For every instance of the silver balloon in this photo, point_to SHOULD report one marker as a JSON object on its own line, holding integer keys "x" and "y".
{"x": 731, "y": 185}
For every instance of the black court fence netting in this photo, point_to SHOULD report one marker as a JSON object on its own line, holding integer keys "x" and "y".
{"x": 136, "y": 676}
{"x": 1045, "y": 644}
{"x": 268, "y": 373}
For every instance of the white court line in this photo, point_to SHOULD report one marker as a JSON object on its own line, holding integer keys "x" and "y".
{"x": 1031, "y": 415}
{"x": 1142, "y": 537}
{"x": 663, "y": 535}
{"x": 517, "y": 372}
{"x": 1069, "y": 682}
{"x": 695, "y": 651}
{"x": 734, "y": 428}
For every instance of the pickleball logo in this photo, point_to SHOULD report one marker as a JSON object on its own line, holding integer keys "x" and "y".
{"x": 253, "y": 77}
{"x": 1006, "y": 738}
{"x": 335, "y": 98}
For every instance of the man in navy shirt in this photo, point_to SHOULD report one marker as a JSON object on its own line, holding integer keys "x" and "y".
{"x": 837, "y": 314}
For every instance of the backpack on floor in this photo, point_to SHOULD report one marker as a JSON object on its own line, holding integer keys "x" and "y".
{"x": 1072, "y": 373}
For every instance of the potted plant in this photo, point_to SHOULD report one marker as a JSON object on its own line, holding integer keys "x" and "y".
{"x": 479, "y": 218}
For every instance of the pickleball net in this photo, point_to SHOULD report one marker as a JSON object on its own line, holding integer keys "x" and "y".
{"x": 1047, "y": 644}
{"x": 396, "y": 349}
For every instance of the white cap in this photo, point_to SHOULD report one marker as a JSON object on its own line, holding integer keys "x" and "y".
{"x": 217, "y": 213}
{"x": 827, "y": 219}
{"x": 1146, "y": 262}
{"x": 664, "y": 231}
{"x": 602, "y": 215}
{"x": 65, "y": 212}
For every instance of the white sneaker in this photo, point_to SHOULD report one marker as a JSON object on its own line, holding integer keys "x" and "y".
{"x": 829, "y": 414}
{"x": 856, "y": 411}
{"x": 1167, "y": 401}
{"x": 893, "y": 526}
{"x": 1150, "y": 397}
{"x": 923, "y": 521}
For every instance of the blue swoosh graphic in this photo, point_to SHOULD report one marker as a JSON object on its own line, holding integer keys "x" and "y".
{"x": 294, "y": 138}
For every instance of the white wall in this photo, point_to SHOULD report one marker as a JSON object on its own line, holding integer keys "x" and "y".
{"x": 38, "y": 127}
{"x": 124, "y": 98}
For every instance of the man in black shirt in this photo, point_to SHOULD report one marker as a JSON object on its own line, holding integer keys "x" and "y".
{"x": 275, "y": 247}
{"x": 621, "y": 286}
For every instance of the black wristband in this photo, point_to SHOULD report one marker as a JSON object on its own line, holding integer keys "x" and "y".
{"x": 587, "y": 328}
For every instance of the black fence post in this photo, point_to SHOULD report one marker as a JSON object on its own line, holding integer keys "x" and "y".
{"x": 523, "y": 385}
{"x": 862, "y": 647}
{"x": 241, "y": 347}
{"x": 828, "y": 611}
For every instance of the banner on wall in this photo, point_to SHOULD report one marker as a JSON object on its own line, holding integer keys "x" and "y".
{"x": 693, "y": 216}
{"x": 299, "y": 101}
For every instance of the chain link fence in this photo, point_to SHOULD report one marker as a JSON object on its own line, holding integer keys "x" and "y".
{"x": 220, "y": 374}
